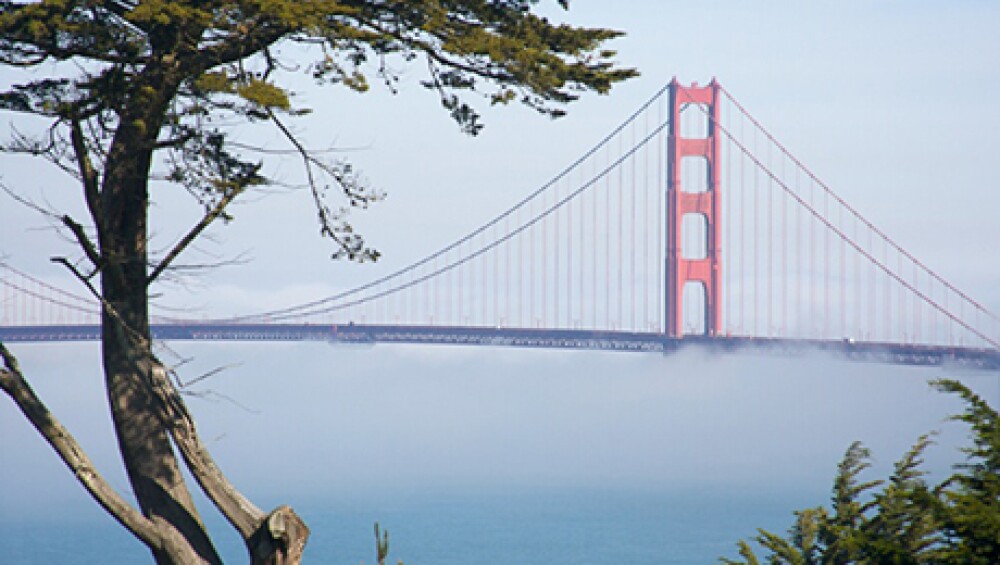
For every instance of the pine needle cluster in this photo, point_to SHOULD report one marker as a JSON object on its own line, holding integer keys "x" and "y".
{"x": 902, "y": 520}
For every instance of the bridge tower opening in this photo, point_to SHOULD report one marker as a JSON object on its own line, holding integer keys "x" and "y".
{"x": 694, "y": 191}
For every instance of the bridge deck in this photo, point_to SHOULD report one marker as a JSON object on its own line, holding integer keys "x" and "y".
{"x": 905, "y": 354}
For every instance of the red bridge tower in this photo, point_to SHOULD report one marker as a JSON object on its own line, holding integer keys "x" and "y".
{"x": 700, "y": 203}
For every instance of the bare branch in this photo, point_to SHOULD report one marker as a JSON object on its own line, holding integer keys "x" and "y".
{"x": 88, "y": 175}
{"x": 81, "y": 237}
{"x": 177, "y": 271}
{"x": 217, "y": 210}
{"x": 78, "y": 232}
{"x": 174, "y": 141}
{"x": 123, "y": 332}
{"x": 215, "y": 396}
{"x": 28, "y": 203}
{"x": 13, "y": 383}
{"x": 350, "y": 245}
{"x": 208, "y": 375}
{"x": 267, "y": 151}
{"x": 231, "y": 49}
{"x": 52, "y": 149}
{"x": 241, "y": 513}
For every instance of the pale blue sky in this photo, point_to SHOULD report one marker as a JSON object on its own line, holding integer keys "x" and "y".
{"x": 891, "y": 103}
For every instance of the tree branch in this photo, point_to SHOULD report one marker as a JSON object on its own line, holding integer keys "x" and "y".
{"x": 13, "y": 383}
{"x": 232, "y": 49}
{"x": 277, "y": 537}
{"x": 28, "y": 203}
{"x": 81, "y": 237}
{"x": 29, "y": 46}
{"x": 350, "y": 245}
{"x": 210, "y": 216}
{"x": 50, "y": 150}
{"x": 88, "y": 174}
{"x": 122, "y": 330}
{"x": 241, "y": 513}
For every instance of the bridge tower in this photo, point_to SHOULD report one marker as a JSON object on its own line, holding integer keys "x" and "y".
{"x": 700, "y": 203}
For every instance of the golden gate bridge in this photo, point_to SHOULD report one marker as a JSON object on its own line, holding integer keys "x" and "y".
{"x": 688, "y": 224}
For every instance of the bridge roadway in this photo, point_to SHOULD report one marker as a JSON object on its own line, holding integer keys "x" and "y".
{"x": 894, "y": 353}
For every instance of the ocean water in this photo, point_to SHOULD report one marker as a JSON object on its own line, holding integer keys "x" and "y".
{"x": 502, "y": 525}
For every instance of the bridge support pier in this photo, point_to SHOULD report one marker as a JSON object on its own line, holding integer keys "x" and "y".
{"x": 701, "y": 202}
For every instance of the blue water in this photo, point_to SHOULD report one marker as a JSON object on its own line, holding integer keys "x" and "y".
{"x": 511, "y": 526}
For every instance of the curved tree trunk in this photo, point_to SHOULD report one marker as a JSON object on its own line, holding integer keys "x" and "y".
{"x": 146, "y": 409}
{"x": 147, "y": 453}
{"x": 145, "y": 446}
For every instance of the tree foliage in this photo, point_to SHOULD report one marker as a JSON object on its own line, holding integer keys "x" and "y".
{"x": 906, "y": 521}
{"x": 171, "y": 73}
{"x": 138, "y": 95}
{"x": 969, "y": 513}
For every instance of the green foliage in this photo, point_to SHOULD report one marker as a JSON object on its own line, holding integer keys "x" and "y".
{"x": 214, "y": 81}
{"x": 903, "y": 528}
{"x": 841, "y": 533}
{"x": 382, "y": 546}
{"x": 970, "y": 509}
{"x": 907, "y": 522}
{"x": 181, "y": 75}
{"x": 146, "y": 94}
{"x": 264, "y": 94}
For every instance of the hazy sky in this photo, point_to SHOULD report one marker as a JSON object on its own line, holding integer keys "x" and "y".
{"x": 891, "y": 103}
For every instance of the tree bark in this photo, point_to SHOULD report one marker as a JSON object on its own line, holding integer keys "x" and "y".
{"x": 66, "y": 446}
{"x": 146, "y": 409}
{"x": 149, "y": 459}
{"x": 159, "y": 537}
{"x": 277, "y": 538}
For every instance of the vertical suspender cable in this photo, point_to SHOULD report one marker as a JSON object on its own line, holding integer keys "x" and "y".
{"x": 531, "y": 267}
{"x": 726, "y": 219}
{"x": 902, "y": 303}
{"x": 545, "y": 258}
{"x": 813, "y": 277}
{"x": 594, "y": 246}
{"x": 607, "y": 248}
{"x": 949, "y": 325}
{"x": 660, "y": 215}
{"x": 448, "y": 288}
{"x": 826, "y": 269}
{"x": 872, "y": 291}
{"x": 756, "y": 240}
{"x": 784, "y": 257}
{"x": 743, "y": 232}
{"x": 916, "y": 306}
{"x": 800, "y": 310}
{"x": 887, "y": 306}
{"x": 520, "y": 273}
{"x": 843, "y": 275}
{"x": 857, "y": 284}
{"x": 569, "y": 266}
{"x": 497, "y": 279}
{"x": 645, "y": 230}
{"x": 632, "y": 194}
{"x": 460, "y": 294}
{"x": 484, "y": 286}
{"x": 770, "y": 247}
{"x": 620, "y": 260}
{"x": 577, "y": 320}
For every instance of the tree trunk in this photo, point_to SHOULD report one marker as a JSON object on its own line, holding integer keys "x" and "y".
{"x": 145, "y": 446}
{"x": 279, "y": 540}
{"x": 147, "y": 412}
